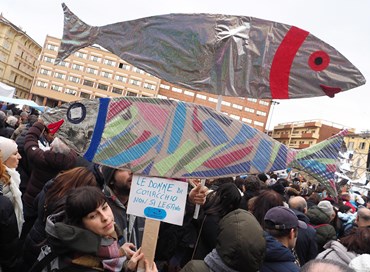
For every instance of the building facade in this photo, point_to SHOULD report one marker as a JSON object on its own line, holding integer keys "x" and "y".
{"x": 93, "y": 72}
{"x": 18, "y": 58}
{"x": 303, "y": 134}
{"x": 359, "y": 147}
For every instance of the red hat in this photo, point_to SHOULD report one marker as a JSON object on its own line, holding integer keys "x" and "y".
{"x": 53, "y": 127}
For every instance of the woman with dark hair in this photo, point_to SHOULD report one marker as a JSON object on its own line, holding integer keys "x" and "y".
{"x": 219, "y": 203}
{"x": 51, "y": 200}
{"x": 266, "y": 200}
{"x": 348, "y": 247}
{"x": 90, "y": 235}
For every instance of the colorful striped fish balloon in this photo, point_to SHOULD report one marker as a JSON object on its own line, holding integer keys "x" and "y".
{"x": 221, "y": 54}
{"x": 166, "y": 138}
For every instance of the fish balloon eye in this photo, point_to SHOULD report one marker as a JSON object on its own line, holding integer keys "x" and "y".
{"x": 319, "y": 60}
{"x": 76, "y": 113}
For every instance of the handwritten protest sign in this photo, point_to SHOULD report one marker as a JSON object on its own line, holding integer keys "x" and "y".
{"x": 158, "y": 198}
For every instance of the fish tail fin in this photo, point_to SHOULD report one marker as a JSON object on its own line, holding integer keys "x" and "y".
{"x": 321, "y": 161}
{"x": 76, "y": 35}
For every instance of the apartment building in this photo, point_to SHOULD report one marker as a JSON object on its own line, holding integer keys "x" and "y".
{"x": 303, "y": 134}
{"x": 358, "y": 145}
{"x": 93, "y": 72}
{"x": 18, "y": 58}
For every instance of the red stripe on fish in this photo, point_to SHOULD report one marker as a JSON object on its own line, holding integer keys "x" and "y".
{"x": 282, "y": 62}
{"x": 143, "y": 137}
{"x": 228, "y": 158}
{"x": 197, "y": 124}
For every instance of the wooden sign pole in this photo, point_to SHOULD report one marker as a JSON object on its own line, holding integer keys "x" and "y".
{"x": 149, "y": 243}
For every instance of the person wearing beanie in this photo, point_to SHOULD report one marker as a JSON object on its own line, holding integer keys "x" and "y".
{"x": 9, "y": 177}
{"x": 320, "y": 217}
{"x": 46, "y": 164}
{"x": 240, "y": 246}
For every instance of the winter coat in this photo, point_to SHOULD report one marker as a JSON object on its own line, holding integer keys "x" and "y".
{"x": 24, "y": 168}
{"x": 36, "y": 238}
{"x": 306, "y": 245}
{"x": 278, "y": 257}
{"x": 77, "y": 249}
{"x": 45, "y": 164}
{"x": 240, "y": 244}
{"x": 8, "y": 236}
{"x": 334, "y": 250}
{"x": 321, "y": 222}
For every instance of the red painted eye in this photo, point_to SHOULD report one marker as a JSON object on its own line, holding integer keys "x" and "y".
{"x": 319, "y": 60}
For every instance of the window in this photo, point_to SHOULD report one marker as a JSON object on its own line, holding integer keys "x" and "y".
{"x": 103, "y": 87}
{"x": 120, "y": 78}
{"x": 162, "y": 96}
{"x": 57, "y": 88}
{"x": 109, "y": 62}
{"x": 81, "y": 55}
{"x": 63, "y": 63}
{"x": 166, "y": 87}
{"x": 41, "y": 84}
{"x": 76, "y": 67}
{"x": 262, "y": 113}
{"x": 264, "y": 103}
{"x": 351, "y": 145}
{"x": 95, "y": 58}
{"x": 236, "y": 117}
{"x": 176, "y": 90}
{"x": 188, "y": 93}
{"x": 254, "y": 100}
{"x": 45, "y": 72}
{"x": 131, "y": 93}
{"x": 91, "y": 71}
{"x": 88, "y": 83}
{"x": 260, "y": 124}
{"x": 117, "y": 90}
{"x": 238, "y": 107}
{"x": 59, "y": 75}
{"x": 211, "y": 99}
{"x": 70, "y": 91}
{"x": 48, "y": 59}
{"x": 74, "y": 79}
{"x": 149, "y": 86}
{"x": 249, "y": 110}
{"x": 201, "y": 96}
{"x": 362, "y": 145}
{"x": 52, "y": 47}
{"x": 85, "y": 95}
{"x": 225, "y": 103}
{"x": 137, "y": 70}
{"x": 135, "y": 82}
{"x": 105, "y": 74}
{"x": 124, "y": 66}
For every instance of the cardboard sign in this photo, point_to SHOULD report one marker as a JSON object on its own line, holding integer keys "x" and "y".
{"x": 158, "y": 198}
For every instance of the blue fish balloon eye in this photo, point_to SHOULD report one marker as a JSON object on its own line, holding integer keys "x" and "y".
{"x": 76, "y": 113}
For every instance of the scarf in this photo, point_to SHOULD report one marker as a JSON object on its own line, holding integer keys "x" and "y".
{"x": 215, "y": 263}
{"x": 129, "y": 233}
{"x": 14, "y": 194}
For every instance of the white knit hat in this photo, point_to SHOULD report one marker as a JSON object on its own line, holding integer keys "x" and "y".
{"x": 326, "y": 207}
{"x": 7, "y": 148}
{"x": 361, "y": 263}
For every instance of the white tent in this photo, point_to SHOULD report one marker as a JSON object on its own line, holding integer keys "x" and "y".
{"x": 6, "y": 90}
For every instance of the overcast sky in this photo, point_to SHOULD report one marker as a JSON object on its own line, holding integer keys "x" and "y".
{"x": 343, "y": 24}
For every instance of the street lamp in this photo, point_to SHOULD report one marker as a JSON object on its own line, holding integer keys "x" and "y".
{"x": 273, "y": 103}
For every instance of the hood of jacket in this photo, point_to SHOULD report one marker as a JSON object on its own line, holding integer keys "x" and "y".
{"x": 334, "y": 250}
{"x": 276, "y": 251}
{"x": 62, "y": 236}
{"x": 240, "y": 241}
{"x": 317, "y": 216}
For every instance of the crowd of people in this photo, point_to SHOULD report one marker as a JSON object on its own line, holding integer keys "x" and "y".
{"x": 60, "y": 212}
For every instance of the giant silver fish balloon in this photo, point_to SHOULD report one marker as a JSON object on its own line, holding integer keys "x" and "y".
{"x": 166, "y": 138}
{"x": 221, "y": 54}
